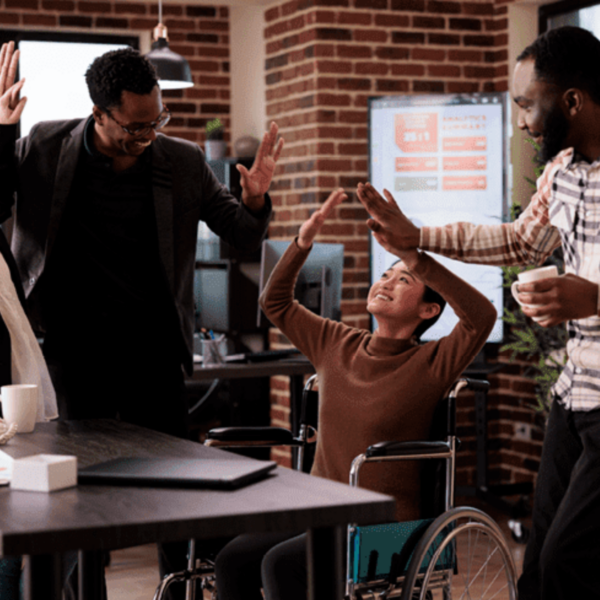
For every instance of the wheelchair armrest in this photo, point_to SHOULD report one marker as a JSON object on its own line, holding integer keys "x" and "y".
{"x": 477, "y": 385}
{"x": 269, "y": 436}
{"x": 406, "y": 448}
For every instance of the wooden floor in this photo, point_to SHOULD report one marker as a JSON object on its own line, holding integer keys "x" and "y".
{"x": 133, "y": 573}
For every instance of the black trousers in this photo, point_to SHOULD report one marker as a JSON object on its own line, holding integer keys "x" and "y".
{"x": 275, "y": 562}
{"x": 117, "y": 376}
{"x": 563, "y": 555}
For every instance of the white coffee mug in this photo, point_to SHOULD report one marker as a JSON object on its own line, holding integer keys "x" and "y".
{"x": 529, "y": 277}
{"x": 19, "y": 405}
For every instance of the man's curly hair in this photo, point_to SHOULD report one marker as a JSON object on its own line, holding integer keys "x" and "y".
{"x": 567, "y": 57}
{"x": 117, "y": 71}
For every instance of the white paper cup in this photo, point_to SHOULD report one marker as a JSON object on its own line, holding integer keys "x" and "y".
{"x": 529, "y": 277}
{"x": 19, "y": 405}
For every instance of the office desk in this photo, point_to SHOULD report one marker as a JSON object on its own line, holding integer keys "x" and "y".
{"x": 295, "y": 368}
{"x": 93, "y": 518}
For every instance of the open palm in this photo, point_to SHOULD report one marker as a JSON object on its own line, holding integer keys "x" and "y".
{"x": 311, "y": 227}
{"x": 11, "y": 106}
{"x": 256, "y": 181}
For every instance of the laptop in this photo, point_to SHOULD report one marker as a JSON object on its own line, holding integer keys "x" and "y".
{"x": 219, "y": 473}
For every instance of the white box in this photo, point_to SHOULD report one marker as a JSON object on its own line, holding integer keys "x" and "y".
{"x": 6, "y": 465}
{"x": 44, "y": 472}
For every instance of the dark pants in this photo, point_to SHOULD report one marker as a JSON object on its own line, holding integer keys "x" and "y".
{"x": 562, "y": 556}
{"x": 118, "y": 377}
{"x": 10, "y": 578}
{"x": 275, "y": 562}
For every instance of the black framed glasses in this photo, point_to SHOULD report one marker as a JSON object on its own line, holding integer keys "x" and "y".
{"x": 163, "y": 119}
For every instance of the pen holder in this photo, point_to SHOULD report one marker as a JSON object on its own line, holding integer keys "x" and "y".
{"x": 213, "y": 352}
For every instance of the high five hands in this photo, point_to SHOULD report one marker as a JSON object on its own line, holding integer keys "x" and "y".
{"x": 311, "y": 227}
{"x": 557, "y": 300}
{"x": 390, "y": 227}
{"x": 11, "y": 106}
{"x": 256, "y": 181}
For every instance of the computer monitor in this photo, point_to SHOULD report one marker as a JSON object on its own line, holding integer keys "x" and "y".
{"x": 319, "y": 284}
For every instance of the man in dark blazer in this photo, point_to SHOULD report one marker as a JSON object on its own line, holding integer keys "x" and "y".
{"x": 106, "y": 211}
{"x": 106, "y": 218}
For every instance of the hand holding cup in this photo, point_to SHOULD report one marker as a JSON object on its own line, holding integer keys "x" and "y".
{"x": 529, "y": 277}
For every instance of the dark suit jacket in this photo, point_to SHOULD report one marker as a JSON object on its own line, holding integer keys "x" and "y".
{"x": 41, "y": 169}
{"x": 5, "y": 364}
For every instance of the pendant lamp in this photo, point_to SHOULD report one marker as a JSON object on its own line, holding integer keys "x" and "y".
{"x": 173, "y": 70}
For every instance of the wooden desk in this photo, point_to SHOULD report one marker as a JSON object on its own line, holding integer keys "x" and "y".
{"x": 295, "y": 368}
{"x": 92, "y": 518}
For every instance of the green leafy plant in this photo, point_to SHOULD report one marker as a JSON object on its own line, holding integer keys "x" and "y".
{"x": 214, "y": 130}
{"x": 543, "y": 346}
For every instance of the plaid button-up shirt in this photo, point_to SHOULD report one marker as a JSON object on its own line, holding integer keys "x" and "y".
{"x": 565, "y": 209}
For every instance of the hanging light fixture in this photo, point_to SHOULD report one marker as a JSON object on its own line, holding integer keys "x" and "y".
{"x": 173, "y": 70}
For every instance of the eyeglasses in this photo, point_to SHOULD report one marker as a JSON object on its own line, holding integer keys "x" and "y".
{"x": 163, "y": 119}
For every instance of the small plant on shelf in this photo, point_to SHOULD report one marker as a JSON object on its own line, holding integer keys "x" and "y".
{"x": 214, "y": 130}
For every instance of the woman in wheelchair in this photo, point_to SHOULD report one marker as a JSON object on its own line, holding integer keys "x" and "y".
{"x": 372, "y": 387}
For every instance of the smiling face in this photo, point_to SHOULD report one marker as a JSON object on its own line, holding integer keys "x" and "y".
{"x": 134, "y": 112}
{"x": 539, "y": 112}
{"x": 396, "y": 300}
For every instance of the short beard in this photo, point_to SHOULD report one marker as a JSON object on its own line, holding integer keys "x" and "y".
{"x": 556, "y": 128}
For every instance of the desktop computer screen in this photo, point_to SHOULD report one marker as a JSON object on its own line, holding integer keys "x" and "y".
{"x": 319, "y": 285}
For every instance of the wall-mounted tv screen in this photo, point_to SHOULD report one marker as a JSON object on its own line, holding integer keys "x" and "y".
{"x": 444, "y": 159}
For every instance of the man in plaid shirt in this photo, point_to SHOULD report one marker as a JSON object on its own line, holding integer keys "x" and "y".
{"x": 556, "y": 86}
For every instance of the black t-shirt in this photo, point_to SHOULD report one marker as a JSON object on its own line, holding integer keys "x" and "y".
{"x": 104, "y": 281}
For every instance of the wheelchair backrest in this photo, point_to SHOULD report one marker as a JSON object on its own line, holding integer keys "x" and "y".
{"x": 433, "y": 472}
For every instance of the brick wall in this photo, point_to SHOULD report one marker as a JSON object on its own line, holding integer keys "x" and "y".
{"x": 199, "y": 33}
{"x": 324, "y": 59}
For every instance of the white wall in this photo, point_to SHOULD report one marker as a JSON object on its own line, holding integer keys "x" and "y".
{"x": 522, "y": 30}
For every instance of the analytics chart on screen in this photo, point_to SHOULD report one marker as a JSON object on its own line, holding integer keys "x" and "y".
{"x": 444, "y": 159}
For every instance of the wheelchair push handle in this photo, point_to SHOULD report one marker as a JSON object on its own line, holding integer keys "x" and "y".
{"x": 477, "y": 385}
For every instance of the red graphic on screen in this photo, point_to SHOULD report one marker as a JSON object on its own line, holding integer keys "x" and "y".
{"x": 465, "y": 163}
{"x": 416, "y": 163}
{"x": 462, "y": 144}
{"x": 417, "y": 132}
{"x": 469, "y": 182}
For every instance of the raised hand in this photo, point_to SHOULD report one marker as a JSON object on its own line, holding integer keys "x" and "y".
{"x": 255, "y": 182}
{"x": 559, "y": 299}
{"x": 390, "y": 227}
{"x": 313, "y": 224}
{"x": 11, "y": 106}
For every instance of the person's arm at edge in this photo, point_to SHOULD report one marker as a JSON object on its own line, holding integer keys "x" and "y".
{"x": 530, "y": 239}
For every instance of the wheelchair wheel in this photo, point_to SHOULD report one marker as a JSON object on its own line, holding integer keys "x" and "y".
{"x": 462, "y": 555}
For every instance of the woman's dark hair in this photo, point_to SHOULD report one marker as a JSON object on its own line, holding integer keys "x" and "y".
{"x": 567, "y": 57}
{"x": 430, "y": 296}
{"x": 117, "y": 71}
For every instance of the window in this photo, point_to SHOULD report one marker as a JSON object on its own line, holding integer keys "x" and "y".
{"x": 580, "y": 13}
{"x": 54, "y": 66}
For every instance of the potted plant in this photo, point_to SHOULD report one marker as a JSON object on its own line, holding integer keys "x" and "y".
{"x": 215, "y": 146}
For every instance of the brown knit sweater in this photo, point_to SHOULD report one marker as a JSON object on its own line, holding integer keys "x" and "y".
{"x": 374, "y": 389}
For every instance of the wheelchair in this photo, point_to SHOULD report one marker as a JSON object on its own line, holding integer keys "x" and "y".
{"x": 459, "y": 554}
